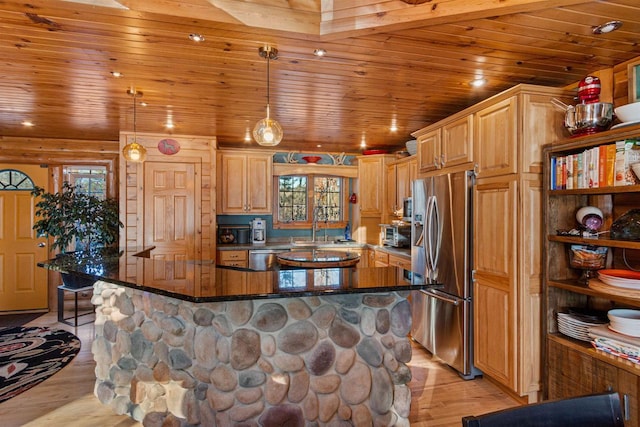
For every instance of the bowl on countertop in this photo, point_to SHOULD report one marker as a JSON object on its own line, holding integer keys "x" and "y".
{"x": 629, "y": 113}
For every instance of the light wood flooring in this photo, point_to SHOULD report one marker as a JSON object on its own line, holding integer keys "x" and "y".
{"x": 440, "y": 397}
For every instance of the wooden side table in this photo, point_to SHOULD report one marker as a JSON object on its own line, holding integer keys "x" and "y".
{"x": 61, "y": 290}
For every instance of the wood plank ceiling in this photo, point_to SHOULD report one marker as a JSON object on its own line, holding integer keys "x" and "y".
{"x": 387, "y": 63}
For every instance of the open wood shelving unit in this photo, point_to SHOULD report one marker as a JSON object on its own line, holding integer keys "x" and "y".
{"x": 572, "y": 367}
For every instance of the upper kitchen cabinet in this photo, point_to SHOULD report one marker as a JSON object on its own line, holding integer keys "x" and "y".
{"x": 371, "y": 179}
{"x": 244, "y": 182}
{"x": 496, "y": 132}
{"x": 447, "y": 144}
{"x": 400, "y": 173}
{"x": 372, "y": 208}
{"x": 512, "y": 126}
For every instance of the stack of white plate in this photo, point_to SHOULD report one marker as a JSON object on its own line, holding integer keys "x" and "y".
{"x": 576, "y": 326}
{"x": 625, "y": 321}
{"x": 621, "y": 278}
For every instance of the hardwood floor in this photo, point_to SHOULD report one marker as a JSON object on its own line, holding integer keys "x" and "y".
{"x": 440, "y": 397}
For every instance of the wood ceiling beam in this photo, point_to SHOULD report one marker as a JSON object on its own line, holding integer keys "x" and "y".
{"x": 346, "y": 18}
{"x": 333, "y": 19}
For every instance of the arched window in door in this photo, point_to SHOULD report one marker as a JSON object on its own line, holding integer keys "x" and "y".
{"x": 14, "y": 180}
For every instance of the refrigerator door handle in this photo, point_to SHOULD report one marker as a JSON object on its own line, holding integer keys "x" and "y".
{"x": 435, "y": 216}
{"x": 428, "y": 230}
{"x": 434, "y": 293}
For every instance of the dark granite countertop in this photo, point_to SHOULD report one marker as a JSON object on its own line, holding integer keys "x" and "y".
{"x": 203, "y": 281}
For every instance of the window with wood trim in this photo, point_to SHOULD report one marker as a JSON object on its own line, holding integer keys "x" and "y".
{"x": 302, "y": 199}
{"x": 89, "y": 180}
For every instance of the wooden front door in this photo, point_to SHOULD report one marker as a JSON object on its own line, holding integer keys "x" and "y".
{"x": 171, "y": 224}
{"x": 23, "y": 285}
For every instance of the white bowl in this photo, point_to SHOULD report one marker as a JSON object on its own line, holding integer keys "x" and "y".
{"x": 625, "y": 321}
{"x": 629, "y": 112}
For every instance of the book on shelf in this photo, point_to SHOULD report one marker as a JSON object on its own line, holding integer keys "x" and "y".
{"x": 606, "y": 165}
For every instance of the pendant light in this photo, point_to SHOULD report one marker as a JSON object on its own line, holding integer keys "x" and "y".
{"x": 268, "y": 132}
{"x": 134, "y": 152}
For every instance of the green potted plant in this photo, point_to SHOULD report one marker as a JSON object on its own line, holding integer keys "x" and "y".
{"x": 76, "y": 221}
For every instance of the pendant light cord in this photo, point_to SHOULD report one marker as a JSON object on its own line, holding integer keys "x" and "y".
{"x": 134, "y": 114}
{"x": 268, "y": 83}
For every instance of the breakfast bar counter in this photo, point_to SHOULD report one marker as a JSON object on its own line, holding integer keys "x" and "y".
{"x": 200, "y": 344}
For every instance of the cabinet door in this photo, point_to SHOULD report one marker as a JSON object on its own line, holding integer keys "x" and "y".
{"x": 628, "y": 387}
{"x": 391, "y": 196}
{"x": 496, "y": 138}
{"x": 232, "y": 171}
{"x": 403, "y": 182}
{"x": 495, "y": 310}
{"x": 570, "y": 372}
{"x": 429, "y": 151}
{"x": 457, "y": 142}
{"x": 371, "y": 181}
{"x": 259, "y": 186}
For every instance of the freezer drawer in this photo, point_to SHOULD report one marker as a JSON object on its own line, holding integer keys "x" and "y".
{"x": 440, "y": 323}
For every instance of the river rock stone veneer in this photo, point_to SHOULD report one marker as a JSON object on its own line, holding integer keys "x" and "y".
{"x": 334, "y": 360}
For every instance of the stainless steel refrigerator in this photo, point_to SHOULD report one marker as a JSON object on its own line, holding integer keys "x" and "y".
{"x": 441, "y": 239}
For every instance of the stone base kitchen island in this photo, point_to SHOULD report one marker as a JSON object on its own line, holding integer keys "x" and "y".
{"x": 289, "y": 347}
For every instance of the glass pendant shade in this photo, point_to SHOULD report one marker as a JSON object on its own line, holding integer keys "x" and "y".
{"x": 134, "y": 152}
{"x": 268, "y": 132}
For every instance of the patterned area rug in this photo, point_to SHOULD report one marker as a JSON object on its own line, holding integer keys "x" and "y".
{"x": 29, "y": 356}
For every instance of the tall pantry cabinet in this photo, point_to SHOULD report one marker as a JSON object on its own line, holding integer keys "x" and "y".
{"x": 509, "y": 132}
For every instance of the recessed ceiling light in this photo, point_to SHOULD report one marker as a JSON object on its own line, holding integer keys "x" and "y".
{"x": 319, "y": 146}
{"x": 117, "y": 74}
{"x": 143, "y": 104}
{"x": 478, "y": 82}
{"x": 196, "y": 37}
{"x": 607, "y": 27}
{"x": 27, "y": 123}
{"x": 319, "y": 52}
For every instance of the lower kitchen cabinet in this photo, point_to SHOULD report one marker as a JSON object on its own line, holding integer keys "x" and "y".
{"x": 233, "y": 258}
{"x": 381, "y": 259}
{"x": 574, "y": 371}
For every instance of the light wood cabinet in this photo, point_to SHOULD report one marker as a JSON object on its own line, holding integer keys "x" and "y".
{"x": 494, "y": 287}
{"x": 381, "y": 259}
{"x": 400, "y": 261}
{"x": 574, "y": 366}
{"x": 233, "y": 258}
{"x": 496, "y": 130}
{"x": 450, "y": 144}
{"x": 399, "y": 175}
{"x": 429, "y": 146}
{"x": 372, "y": 183}
{"x": 507, "y": 250}
{"x": 244, "y": 182}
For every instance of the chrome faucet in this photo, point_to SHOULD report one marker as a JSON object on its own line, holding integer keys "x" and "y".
{"x": 314, "y": 224}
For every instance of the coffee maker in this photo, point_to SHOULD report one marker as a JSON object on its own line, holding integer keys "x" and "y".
{"x": 258, "y": 231}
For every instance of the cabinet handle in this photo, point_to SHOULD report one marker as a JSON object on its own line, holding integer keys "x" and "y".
{"x": 443, "y": 161}
{"x": 436, "y": 162}
{"x": 625, "y": 407}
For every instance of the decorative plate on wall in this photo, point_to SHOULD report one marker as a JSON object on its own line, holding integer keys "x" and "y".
{"x": 168, "y": 146}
